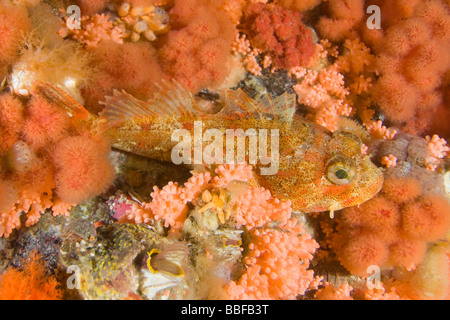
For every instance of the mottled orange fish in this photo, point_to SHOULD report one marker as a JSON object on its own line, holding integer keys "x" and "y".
{"x": 317, "y": 170}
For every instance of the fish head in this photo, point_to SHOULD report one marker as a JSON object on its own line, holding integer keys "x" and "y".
{"x": 348, "y": 176}
{"x": 325, "y": 171}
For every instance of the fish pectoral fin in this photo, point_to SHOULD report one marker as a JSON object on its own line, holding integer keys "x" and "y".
{"x": 57, "y": 96}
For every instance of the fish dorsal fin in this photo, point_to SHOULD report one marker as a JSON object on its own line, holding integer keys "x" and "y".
{"x": 238, "y": 104}
{"x": 171, "y": 100}
{"x": 265, "y": 106}
{"x": 173, "y": 97}
{"x": 284, "y": 107}
{"x": 122, "y": 106}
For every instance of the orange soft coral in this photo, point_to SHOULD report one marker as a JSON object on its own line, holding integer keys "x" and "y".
{"x": 402, "y": 189}
{"x": 11, "y": 112}
{"x": 379, "y": 213}
{"x": 8, "y": 196}
{"x": 399, "y": 223}
{"x": 11, "y": 120}
{"x": 14, "y": 24}
{"x": 31, "y": 283}
{"x": 427, "y": 218}
{"x": 193, "y": 54}
{"x": 89, "y": 7}
{"x": 82, "y": 168}
{"x": 344, "y": 17}
{"x": 133, "y": 67}
{"x": 407, "y": 253}
{"x": 412, "y": 60}
{"x": 396, "y": 96}
{"x": 411, "y": 56}
{"x": 44, "y": 123}
{"x": 362, "y": 251}
{"x": 298, "y": 5}
{"x": 53, "y": 155}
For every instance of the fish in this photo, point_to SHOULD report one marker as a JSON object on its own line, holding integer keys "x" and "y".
{"x": 317, "y": 170}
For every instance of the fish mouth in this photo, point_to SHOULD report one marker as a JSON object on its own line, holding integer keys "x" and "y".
{"x": 369, "y": 185}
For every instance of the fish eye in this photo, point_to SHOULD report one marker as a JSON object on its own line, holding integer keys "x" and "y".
{"x": 341, "y": 174}
{"x": 340, "y": 170}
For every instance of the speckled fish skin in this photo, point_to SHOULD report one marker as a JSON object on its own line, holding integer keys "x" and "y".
{"x": 307, "y": 151}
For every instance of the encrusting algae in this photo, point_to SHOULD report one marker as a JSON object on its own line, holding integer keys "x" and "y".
{"x": 231, "y": 149}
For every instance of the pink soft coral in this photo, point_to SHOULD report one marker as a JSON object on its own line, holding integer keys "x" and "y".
{"x": 34, "y": 196}
{"x": 378, "y": 131}
{"x": 168, "y": 204}
{"x": 437, "y": 146}
{"x": 94, "y": 29}
{"x": 389, "y": 161}
{"x": 256, "y": 207}
{"x": 329, "y": 292}
{"x": 278, "y": 259}
{"x": 229, "y": 172}
{"x": 277, "y": 264}
{"x": 324, "y": 94}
